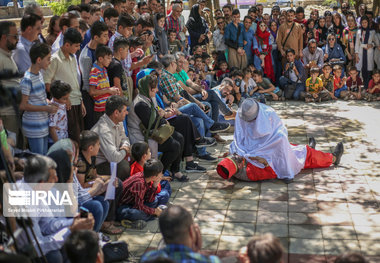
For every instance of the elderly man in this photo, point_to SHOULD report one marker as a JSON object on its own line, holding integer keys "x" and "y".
{"x": 312, "y": 55}
{"x": 34, "y": 8}
{"x": 173, "y": 21}
{"x": 182, "y": 238}
{"x": 261, "y": 140}
{"x": 114, "y": 144}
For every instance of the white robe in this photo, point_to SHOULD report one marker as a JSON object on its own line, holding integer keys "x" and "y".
{"x": 267, "y": 137}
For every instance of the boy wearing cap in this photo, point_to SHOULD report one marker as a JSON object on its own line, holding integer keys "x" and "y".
{"x": 266, "y": 147}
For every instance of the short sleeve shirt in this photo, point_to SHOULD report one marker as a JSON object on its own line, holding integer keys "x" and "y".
{"x": 99, "y": 79}
{"x": 116, "y": 70}
{"x": 59, "y": 121}
{"x": 315, "y": 87}
{"x": 181, "y": 76}
{"x": 169, "y": 86}
{"x": 328, "y": 83}
{"x": 372, "y": 84}
{"x": 354, "y": 85}
{"x": 174, "y": 46}
{"x": 35, "y": 124}
{"x": 86, "y": 168}
{"x": 265, "y": 84}
{"x": 251, "y": 85}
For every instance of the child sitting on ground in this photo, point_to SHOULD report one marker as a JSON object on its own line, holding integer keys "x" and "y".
{"x": 141, "y": 153}
{"x": 223, "y": 72}
{"x": 96, "y": 185}
{"x": 314, "y": 88}
{"x": 340, "y": 88}
{"x": 100, "y": 88}
{"x": 139, "y": 199}
{"x": 266, "y": 87}
{"x": 354, "y": 85}
{"x": 249, "y": 88}
{"x": 60, "y": 91}
{"x": 373, "y": 91}
{"x": 328, "y": 80}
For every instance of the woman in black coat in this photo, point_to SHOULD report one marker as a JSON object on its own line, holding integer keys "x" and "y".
{"x": 197, "y": 27}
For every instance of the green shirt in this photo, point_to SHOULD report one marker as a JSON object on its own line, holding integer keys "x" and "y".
{"x": 181, "y": 76}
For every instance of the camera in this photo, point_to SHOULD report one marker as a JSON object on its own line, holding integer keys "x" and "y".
{"x": 291, "y": 65}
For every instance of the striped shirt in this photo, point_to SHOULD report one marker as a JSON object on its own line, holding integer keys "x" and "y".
{"x": 35, "y": 124}
{"x": 136, "y": 192}
{"x": 99, "y": 79}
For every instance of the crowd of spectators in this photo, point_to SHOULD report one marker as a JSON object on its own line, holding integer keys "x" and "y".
{"x": 135, "y": 84}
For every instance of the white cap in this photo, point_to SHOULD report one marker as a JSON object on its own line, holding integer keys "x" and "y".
{"x": 248, "y": 110}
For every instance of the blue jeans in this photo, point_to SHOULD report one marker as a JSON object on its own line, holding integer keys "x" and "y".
{"x": 192, "y": 109}
{"x": 99, "y": 209}
{"x": 338, "y": 91}
{"x": 299, "y": 86}
{"x": 133, "y": 214}
{"x": 38, "y": 145}
{"x": 166, "y": 192}
{"x": 216, "y": 104}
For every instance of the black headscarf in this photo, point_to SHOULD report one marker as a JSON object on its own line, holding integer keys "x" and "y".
{"x": 61, "y": 157}
{"x": 196, "y": 25}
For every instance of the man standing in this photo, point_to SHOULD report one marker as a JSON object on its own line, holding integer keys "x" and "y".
{"x": 114, "y": 144}
{"x": 218, "y": 38}
{"x": 8, "y": 42}
{"x": 30, "y": 28}
{"x": 290, "y": 35}
{"x": 173, "y": 20}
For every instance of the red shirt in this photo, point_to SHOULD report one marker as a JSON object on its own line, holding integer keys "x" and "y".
{"x": 136, "y": 169}
{"x": 336, "y": 82}
{"x": 372, "y": 84}
{"x": 136, "y": 192}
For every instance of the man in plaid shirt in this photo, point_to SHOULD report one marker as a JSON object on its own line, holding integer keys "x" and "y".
{"x": 173, "y": 20}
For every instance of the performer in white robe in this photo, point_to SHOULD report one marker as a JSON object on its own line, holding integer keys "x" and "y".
{"x": 262, "y": 139}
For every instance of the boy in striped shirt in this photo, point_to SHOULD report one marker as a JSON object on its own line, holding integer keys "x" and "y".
{"x": 100, "y": 88}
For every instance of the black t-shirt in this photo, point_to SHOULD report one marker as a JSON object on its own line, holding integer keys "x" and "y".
{"x": 115, "y": 70}
{"x": 88, "y": 169}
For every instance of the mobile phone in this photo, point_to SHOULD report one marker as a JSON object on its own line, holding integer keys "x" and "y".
{"x": 83, "y": 212}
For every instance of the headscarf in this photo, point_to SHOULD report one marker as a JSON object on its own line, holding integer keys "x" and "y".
{"x": 143, "y": 86}
{"x": 61, "y": 157}
{"x": 195, "y": 19}
{"x": 263, "y": 36}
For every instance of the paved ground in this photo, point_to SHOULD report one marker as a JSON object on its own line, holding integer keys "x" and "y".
{"x": 323, "y": 213}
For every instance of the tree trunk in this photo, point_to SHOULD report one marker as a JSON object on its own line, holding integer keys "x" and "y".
{"x": 15, "y": 8}
{"x": 216, "y": 4}
{"x": 376, "y": 7}
{"x": 209, "y": 5}
{"x": 191, "y": 3}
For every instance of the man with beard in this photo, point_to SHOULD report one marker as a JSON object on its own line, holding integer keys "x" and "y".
{"x": 8, "y": 42}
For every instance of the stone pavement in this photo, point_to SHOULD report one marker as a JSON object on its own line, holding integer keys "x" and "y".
{"x": 323, "y": 213}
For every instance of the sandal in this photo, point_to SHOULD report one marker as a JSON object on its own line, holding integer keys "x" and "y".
{"x": 138, "y": 224}
{"x": 110, "y": 229}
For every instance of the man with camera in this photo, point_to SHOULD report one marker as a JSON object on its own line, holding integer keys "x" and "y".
{"x": 312, "y": 55}
{"x": 293, "y": 79}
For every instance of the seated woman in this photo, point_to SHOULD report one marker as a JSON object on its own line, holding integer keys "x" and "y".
{"x": 261, "y": 141}
{"x": 179, "y": 145}
{"x": 90, "y": 198}
{"x": 333, "y": 52}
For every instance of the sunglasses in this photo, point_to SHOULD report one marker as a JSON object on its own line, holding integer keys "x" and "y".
{"x": 331, "y": 39}
{"x": 220, "y": 23}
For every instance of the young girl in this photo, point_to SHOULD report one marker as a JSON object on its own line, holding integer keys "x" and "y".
{"x": 322, "y": 31}
{"x": 311, "y": 32}
{"x": 262, "y": 48}
{"x": 349, "y": 39}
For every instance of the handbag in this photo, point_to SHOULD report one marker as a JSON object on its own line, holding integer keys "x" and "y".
{"x": 115, "y": 251}
{"x": 159, "y": 134}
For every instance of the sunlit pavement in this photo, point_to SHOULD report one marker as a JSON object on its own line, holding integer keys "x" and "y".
{"x": 323, "y": 213}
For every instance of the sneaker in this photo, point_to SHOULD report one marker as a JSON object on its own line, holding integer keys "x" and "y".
{"x": 192, "y": 167}
{"x": 312, "y": 142}
{"x": 208, "y": 158}
{"x": 205, "y": 142}
{"x": 338, "y": 152}
{"x": 231, "y": 116}
{"x": 138, "y": 224}
{"x": 219, "y": 127}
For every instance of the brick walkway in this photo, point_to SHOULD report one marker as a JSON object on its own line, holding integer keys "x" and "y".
{"x": 323, "y": 213}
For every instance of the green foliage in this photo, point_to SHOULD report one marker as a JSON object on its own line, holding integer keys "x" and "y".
{"x": 58, "y": 7}
{"x": 337, "y": 2}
